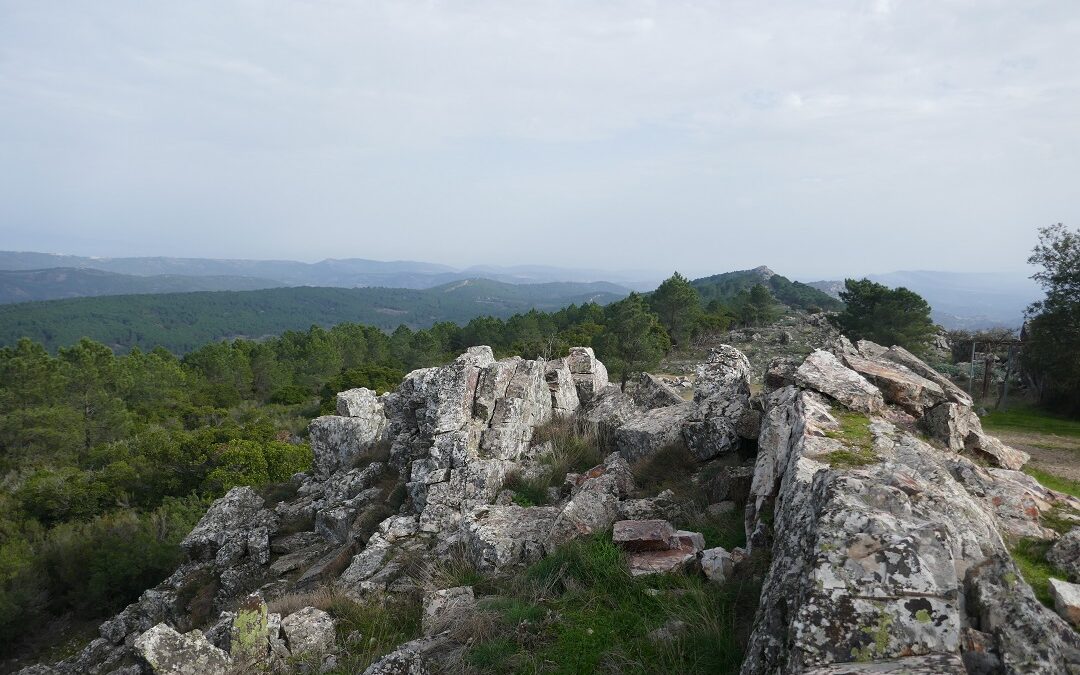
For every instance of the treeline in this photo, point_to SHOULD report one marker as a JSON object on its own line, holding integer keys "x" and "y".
{"x": 108, "y": 460}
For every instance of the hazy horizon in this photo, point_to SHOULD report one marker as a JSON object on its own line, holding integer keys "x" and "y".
{"x": 823, "y": 142}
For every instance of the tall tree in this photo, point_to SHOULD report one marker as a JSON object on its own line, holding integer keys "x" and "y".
{"x": 633, "y": 341}
{"x": 1051, "y": 349}
{"x": 678, "y": 305}
{"x": 888, "y": 316}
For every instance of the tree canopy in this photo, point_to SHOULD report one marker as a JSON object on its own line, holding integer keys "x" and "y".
{"x": 888, "y": 316}
{"x": 1051, "y": 344}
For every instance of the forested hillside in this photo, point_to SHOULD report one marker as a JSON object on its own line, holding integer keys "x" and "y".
{"x": 71, "y": 282}
{"x": 181, "y": 322}
{"x": 727, "y": 288}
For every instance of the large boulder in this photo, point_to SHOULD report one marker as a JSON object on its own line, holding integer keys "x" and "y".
{"x": 874, "y": 547}
{"x": 505, "y": 536}
{"x": 234, "y": 526}
{"x": 338, "y": 442}
{"x": 822, "y": 371}
{"x": 648, "y": 432}
{"x": 590, "y": 376}
{"x": 309, "y": 631}
{"x": 649, "y": 391}
{"x": 960, "y": 429}
{"x": 900, "y": 386}
{"x": 725, "y": 373}
{"x": 167, "y": 652}
{"x": 916, "y": 365}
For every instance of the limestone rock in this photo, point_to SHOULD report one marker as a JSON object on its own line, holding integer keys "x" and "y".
{"x": 502, "y": 536}
{"x": 916, "y": 365}
{"x": 725, "y": 373}
{"x": 170, "y": 653}
{"x": 560, "y": 382}
{"x": 590, "y": 376}
{"x": 899, "y": 385}
{"x": 661, "y": 507}
{"x": 309, "y": 631}
{"x": 1066, "y": 600}
{"x": 1065, "y": 554}
{"x": 649, "y": 391}
{"x": 931, "y": 664}
{"x": 644, "y": 535}
{"x": 717, "y": 564}
{"x": 823, "y": 372}
{"x": 249, "y": 635}
{"x": 233, "y": 526}
{"x": 443, "y": 607}
{"x": 609, "y": 409}
{"x": 780, "y": 373}
{"x": 648, "y": 432}
{"x": 337, "y": 442}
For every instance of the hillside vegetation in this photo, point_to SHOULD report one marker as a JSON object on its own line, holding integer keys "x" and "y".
{"x": 70, "y": 282}
{"x": 727, "y": 288}
{"x": 181, "y": 322}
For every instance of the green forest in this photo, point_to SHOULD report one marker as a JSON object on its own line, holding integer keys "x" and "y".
{"x": 183, "y": 322}
{"x": 108, "y": 459}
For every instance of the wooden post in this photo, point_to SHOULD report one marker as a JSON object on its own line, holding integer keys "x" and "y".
{"x": 988, "y": 373}
{"x": 971, "y": 373}
{"x": 1005, "y": 384}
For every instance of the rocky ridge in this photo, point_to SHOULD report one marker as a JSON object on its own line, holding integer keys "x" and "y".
{"x": 883, "y": 505}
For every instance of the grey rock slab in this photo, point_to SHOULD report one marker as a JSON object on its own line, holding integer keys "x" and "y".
{"x": 823, "y": 372}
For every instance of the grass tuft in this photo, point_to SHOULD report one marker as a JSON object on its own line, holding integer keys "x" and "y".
{"x": 854, "y": 432}
{"x": 1030, "y": 557}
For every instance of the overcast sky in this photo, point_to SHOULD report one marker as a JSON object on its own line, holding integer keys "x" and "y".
{"x": 821, "y": 139}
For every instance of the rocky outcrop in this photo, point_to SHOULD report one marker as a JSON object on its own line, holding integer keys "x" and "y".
{"x": 338, "y": 441}
{"x": 887, "y": 553}
{"x": 822, "y": 371}
{"x": 167, "y": 652}
{"x": 886, "y": 550}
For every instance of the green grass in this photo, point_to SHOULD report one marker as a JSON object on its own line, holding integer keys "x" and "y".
{"x": 574, "y": 449}
{"x": 579, "y": 610}
{"x": 1054, "y": 482}
{"x": 1032, "y": 420}
{"x": 854, "y": 432}
{"x": 381, "y": 626}
{"x": 1030, "y": 557}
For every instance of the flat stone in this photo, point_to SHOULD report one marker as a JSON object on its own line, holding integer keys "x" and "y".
{"x": 1066, "y": 600}
{"x": 682, "y": 559}
{"x": 644, "y": 535}
{"x": 930, "y": 664}
{"x": 823, "y": 372}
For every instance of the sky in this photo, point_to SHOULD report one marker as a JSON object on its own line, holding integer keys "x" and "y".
{"x": 822, "y": 139}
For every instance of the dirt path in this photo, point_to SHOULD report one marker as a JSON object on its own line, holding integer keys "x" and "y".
{"x": 1059, "y": 455}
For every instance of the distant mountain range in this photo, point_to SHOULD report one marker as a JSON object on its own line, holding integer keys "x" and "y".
{"x": 961, "y": 300}
{"x": 48, "y": 276}
{"x": 182, "y": 322}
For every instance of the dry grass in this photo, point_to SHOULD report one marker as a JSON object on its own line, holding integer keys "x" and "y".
{"x": 320, "y": 598}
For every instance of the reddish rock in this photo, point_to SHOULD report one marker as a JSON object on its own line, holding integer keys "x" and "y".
{"x": 644, "y": 535}
{"x": 682, "y": 559}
